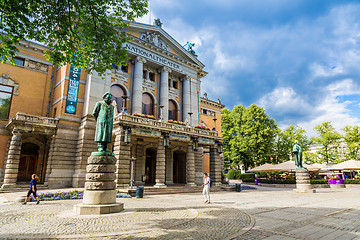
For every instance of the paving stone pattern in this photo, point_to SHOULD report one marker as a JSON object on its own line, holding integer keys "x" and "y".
{"x": 264, "y": 213}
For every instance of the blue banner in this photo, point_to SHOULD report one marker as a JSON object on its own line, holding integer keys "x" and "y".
{"x": 73, "y": 90}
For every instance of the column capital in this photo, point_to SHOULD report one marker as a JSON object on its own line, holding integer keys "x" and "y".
{"x": 166, "y": 69}
{"x": 140, "y": 59}
{"x": 16, "y": 131}
{"x": 187, "y": 78}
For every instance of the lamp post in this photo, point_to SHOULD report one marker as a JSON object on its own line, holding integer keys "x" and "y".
{"x": 127, "y": 135}
{"x": 166, "y": 139}
{"x": 123, "y": 110}
{"x": 161, "y": 113}
{"x": 190, "y": 113}
{"x": 132, "y": 182}
{"x": 214, "y": 119}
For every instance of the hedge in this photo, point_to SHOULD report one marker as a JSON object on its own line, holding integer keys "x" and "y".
{"x": 352, "y": 181}
{"x": 233, "y": 174}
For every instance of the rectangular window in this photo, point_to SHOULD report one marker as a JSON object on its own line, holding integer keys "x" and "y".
{"x": 5, "y": 101}
{"x": 152, "y": 76}
{"x": 175, "y": 84}
{"x": 19, "y": 61}
{"x": 124, "y": 68}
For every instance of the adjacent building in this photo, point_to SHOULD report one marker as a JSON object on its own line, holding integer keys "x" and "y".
{"x": 164, "y": 131}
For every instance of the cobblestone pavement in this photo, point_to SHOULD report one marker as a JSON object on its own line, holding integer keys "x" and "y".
{"x": 255, "y": 214}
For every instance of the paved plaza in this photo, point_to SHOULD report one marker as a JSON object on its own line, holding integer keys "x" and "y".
{"x": 265, "y": 213}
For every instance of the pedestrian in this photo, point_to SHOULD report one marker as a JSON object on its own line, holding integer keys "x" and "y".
{"x": 206, "y": 190}
{"x": 34, "y": 179}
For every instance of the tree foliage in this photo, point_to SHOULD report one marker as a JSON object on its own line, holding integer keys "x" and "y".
{"x": 328, "y": 140}
{"x": 285, "y": 140}
{"x": 248, "y": 136}
{"x": 86, "y": 33}
{"x": 4, "y": 107}
{"x": 352, "y": 140}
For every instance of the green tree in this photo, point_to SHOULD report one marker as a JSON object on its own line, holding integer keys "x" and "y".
{"x": 285, "y": 140}
{"x": 328, "y": 139}
{"x": 86, "y": 33}
{"x": 4, "y": 107}
{"x": 352, "y": 139}
{"x": 248, "y": 136}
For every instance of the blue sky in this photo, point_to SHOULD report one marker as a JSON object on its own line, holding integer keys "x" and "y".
{"x": 299, "y": 59}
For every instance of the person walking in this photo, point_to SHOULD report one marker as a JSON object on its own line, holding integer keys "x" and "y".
{"x": 206, "y": 190}
{"x": 34, "y": 179}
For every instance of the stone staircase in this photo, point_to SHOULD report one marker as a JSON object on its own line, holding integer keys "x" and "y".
{"x": 21, "y": 187}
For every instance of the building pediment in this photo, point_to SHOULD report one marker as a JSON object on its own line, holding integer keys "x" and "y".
{"x": 157, "y": 37}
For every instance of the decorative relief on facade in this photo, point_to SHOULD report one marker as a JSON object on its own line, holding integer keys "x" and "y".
{"x": 120, "y": 77}
{"x": 36, "y": 65}
{"x": 155, "y": 40}
{"x": 144, "y": 131}
{"x": 6, "y": 80}
{"x": 173, "y": 93}
{"x": 205, "y": 140}
{"x": 148, "y": 85}
{"x": 179, "y": 136}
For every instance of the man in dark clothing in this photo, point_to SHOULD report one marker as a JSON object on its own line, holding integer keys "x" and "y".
{"x": 32, "y": 189}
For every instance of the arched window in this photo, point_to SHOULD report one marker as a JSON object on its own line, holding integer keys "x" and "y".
{"x": 172, "y": 110}
{"x": 147, "y": 104}
{"x": 117, "y": 94}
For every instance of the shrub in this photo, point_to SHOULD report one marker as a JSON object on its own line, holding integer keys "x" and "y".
{"x": 352, "y": 181}
{"x": 232, "y": 174}
{"x": 247, "y": 177}
{"x": 278, "y": 181}
{"x": 318, "y": 181}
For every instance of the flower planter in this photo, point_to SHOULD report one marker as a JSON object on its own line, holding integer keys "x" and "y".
{"x": 336, "y": 183}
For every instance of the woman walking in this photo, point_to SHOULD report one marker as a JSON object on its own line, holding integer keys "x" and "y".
{"x": 32, "y": 189}
{"x": 206, "y": 190}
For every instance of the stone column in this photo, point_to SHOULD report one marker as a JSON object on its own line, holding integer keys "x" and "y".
{"x": 137, "y": 85}
{"x": 190, "y": 166}
{"x": 303, "y": 184}
{"x": 86, "y": 145}
{"x": 186, "y": 98}
{"x": 13, "y": 160}
{"x": 199, "y": 166}
{"x": 50, "y": 159}
{"x": 160, "y": 165}
{"x": 100, "y": 193}
{"x": 123, "y": 155}
{"x": 139, "y": 163}
{"x": 169, "y": 166}
{"x": 215, "y": 169}
{"x": 164, "y": 92}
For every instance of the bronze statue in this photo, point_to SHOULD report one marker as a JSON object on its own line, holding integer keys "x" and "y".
{"x": 104, "y": 114}
{"x": 297, "y": 151}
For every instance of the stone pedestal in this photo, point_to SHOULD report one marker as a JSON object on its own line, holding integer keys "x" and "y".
{"x": 303, "y": 181}
{"x": 100, "y": 194}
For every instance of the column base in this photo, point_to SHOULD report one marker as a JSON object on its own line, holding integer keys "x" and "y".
{"x": 83, "y": 209}
{"x": 169, "y": 182}
{"x": 160, "y": 185}
{"x": 305, "y": 190}
{"x": 190, "y": 185}
{"x": 8, "y": 185}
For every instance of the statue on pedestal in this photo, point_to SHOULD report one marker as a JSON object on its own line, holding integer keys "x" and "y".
{"x": 297, "y": 151}
{"x": 104, "y": 114}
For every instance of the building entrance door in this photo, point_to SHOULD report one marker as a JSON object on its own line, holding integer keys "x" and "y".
{"x": 28, "y": 162}
{"x": 179, "y": 167}
{"x": 150, "y": 165}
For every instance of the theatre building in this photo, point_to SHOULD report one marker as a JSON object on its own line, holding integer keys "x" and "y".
{"x": 164, "y": 132}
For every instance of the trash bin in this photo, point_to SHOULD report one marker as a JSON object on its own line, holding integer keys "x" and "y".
{"x": 140, "y": 191}
{"x": 257, "y": 181}
{"x": 238, "y": 187}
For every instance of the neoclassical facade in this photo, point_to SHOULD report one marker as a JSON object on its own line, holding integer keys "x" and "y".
{"x": 164, "y": 132}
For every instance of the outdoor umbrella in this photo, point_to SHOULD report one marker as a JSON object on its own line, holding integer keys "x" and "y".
{"x": 347, "y": 165}
{"x": 263, "y": 168}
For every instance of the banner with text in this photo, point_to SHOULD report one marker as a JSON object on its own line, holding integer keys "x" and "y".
{"x": 73, "y": 90}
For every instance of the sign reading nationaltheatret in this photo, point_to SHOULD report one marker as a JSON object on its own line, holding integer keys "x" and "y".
{"x": 152, "y": 56}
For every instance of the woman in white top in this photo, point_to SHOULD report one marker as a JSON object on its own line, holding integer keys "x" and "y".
{"x": 206, "y": 190}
